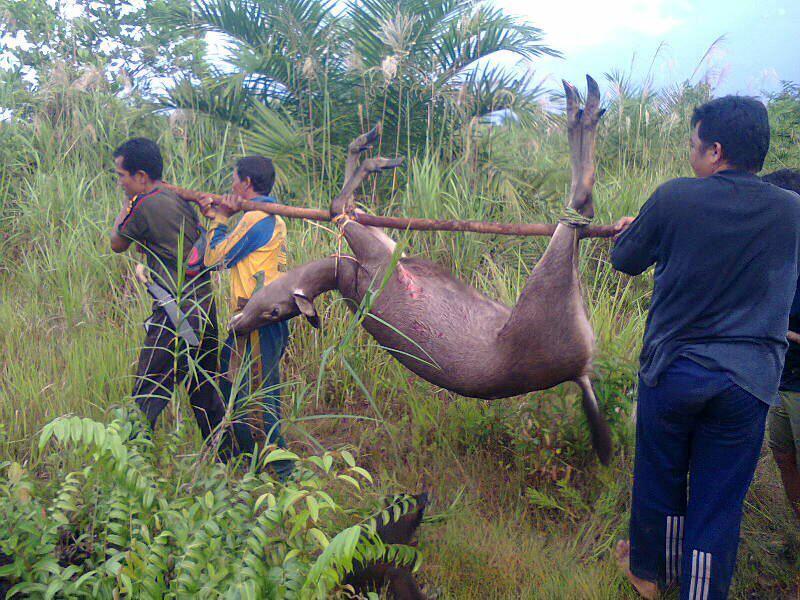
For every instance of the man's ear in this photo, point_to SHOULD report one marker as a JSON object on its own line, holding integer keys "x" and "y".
{"x": 718, "y": 151}
{"x": 306, "y": 307}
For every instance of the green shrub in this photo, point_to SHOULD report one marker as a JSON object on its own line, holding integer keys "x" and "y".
{"x": 115, "y": 524}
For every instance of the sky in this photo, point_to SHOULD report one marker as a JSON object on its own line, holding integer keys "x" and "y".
{"x": 669, "y": 38}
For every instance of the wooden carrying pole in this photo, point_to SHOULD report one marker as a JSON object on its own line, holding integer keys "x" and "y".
{"x": 543, "y": 229}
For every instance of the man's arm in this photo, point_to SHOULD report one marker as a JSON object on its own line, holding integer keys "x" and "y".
{"x": 119, "y": 243}
{"x": 636, "y": 246}
{"x": 131, "y": 225}
{"x": 248, "y": 236}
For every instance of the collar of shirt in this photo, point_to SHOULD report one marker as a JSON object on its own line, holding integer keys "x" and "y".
{"x": 735, "y": 173}
{"x": 135, "y": 201}
{"x": 264, "y": 199}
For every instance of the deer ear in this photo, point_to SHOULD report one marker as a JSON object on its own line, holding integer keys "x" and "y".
{"x": 306, "y": 307}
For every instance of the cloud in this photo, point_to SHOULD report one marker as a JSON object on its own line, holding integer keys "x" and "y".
{"x": 766, "y": 79}
{"x": 579, "y": 24}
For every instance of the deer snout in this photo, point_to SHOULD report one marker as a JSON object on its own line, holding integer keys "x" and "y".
{"x": 234, "y": 321}
{"x": 242, "y": 324}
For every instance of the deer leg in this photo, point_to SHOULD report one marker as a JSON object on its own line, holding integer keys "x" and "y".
{"x": 573, "y": 113}
{"x": 589, "y": 121}
{"x": 362, "y": 143}
{"x": 563, "y": 246}
{"x": 353, "y": 173}
{"x": 370, "y": 245}
{"x": 369, "y": 248}
{"x": 556, "y": 275}
{"x": 380, "y": 234}
{"x": 582, "y": 135}
{"x": 344, "y": 203}
{"x": 552, "y": 293}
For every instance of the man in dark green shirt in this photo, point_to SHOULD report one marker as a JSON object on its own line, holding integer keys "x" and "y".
{"x": 165, "y": 228}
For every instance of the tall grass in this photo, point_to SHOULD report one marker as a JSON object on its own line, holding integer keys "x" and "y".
{"x": 537, "y": 516}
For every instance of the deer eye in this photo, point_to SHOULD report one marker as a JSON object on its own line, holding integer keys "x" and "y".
{"x": 275, "y": 311}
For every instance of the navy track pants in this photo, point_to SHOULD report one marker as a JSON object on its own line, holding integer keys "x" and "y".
{"x": 698, "y": 439}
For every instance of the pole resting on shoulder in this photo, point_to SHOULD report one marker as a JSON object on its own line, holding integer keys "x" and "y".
{"x": 408, "y": 223}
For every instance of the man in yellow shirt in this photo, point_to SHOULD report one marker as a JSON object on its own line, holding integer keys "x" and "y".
{"x": 255, "y": 253}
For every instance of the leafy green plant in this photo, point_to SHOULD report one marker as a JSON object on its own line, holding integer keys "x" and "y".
{"x": 115, "y": 525}
{"x": 116, "y": 41}
{"x": 414, "y": 65}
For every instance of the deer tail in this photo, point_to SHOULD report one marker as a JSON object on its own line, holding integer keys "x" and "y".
{"x": 598, "y": 426}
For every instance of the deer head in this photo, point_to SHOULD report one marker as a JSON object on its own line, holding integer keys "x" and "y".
{"x": 289, "y": 296}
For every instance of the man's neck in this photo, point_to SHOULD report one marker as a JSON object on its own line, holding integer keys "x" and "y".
{"x": 150, "y": 187}
{"x": 724, "y": 166}
{"x": 251, "y": 194}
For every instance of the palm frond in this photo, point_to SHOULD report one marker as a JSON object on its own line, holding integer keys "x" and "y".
{"x": 221, "y": 95}
{"x": 491, "y": 88}
{"x": 273, "y": 133}
{"x": 487, "y": 31}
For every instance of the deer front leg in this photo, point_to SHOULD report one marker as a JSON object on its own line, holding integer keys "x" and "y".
{"x": 372, "y": 247}
{"x": 573, "y": 114}
{"x": 344, "y": 203}
{"x": 362, "y": 143}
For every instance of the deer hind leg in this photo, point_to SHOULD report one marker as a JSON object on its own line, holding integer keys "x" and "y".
{"x": 556, "y": 273}
{"x": 550, "y": 276}
{"x": 582, "y": 135}
{"x": 554, "y": 285}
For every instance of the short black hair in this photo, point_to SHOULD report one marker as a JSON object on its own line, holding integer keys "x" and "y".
{"x": 788, "y": 179}
{"x": 141, "y": 154}
{"x": 260, "y": 170}
{"x": 740, "y": 125}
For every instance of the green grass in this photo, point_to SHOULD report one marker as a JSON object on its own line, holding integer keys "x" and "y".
{"x": 535, "y": 516}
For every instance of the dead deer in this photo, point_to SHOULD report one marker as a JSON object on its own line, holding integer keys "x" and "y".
{"x": 444, "y": 330}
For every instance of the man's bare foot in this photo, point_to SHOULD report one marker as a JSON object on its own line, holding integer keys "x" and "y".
{"x": 646, "y": 589}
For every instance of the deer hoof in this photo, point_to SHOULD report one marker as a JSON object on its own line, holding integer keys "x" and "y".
{"x": 374, "y": 165}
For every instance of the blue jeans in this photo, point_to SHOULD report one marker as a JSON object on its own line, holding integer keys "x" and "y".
{"x": 257, "y": 408}
{"x": 695, "y": 425}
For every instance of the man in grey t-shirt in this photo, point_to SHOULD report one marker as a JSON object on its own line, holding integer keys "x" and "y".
{"x": 725, "y": 246}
